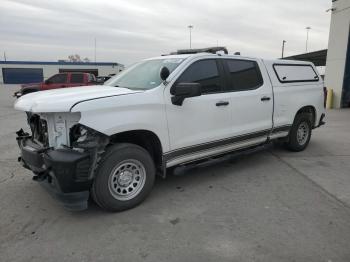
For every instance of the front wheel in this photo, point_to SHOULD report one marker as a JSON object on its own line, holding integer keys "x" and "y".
{"x": 300, "y": 133}
{"x": 124, "y": 178}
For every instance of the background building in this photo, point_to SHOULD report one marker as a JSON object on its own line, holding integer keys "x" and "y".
{"x": 20, "y": 72}
{"x": 338, "y": 57}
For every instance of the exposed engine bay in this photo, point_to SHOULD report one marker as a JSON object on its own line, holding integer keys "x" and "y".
{"x": 61, "y": 151}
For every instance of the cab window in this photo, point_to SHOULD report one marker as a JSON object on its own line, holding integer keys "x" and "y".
{"x": 204, "y": 72}
{"x": 59, "y": 78}
{"x": 243, "y": 75}
{"x": 77, "y": 78}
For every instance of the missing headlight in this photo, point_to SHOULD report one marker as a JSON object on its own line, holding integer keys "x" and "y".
{"x": 78, "y": 133}
{"x": 38, "y": 127}
{"x": 84, "y": 137}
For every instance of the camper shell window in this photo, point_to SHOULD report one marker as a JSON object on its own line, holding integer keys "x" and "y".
{"x": 290, "y": 73}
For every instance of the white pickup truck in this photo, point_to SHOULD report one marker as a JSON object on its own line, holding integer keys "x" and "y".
{"x": 110, "y": 141}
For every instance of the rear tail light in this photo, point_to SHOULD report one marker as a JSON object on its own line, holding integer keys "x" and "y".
{"x": 324, "y": 96}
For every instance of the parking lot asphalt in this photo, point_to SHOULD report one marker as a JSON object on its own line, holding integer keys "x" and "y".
{"x": 270, "y": 205}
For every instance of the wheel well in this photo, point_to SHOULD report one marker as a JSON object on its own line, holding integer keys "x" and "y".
{"x": 309, "y": 110}
{"x": 143, "y": 138}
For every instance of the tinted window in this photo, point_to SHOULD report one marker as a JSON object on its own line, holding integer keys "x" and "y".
{"x": 60, "y": 78}
{"x": 77, "y": 78}
{"x": 204, "y": 72}
{"x": 244, "y": 75}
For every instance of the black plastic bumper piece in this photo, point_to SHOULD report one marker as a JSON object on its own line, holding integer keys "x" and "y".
{"x": 75, "y": 201}
{"x": 321, "y": 122}
{"x": 64, "y": 172}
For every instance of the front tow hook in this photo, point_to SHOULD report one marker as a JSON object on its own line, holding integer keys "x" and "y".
{"x": 40, "y": 177}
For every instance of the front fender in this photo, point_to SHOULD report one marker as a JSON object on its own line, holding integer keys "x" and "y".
{"x": 117, "y": 114}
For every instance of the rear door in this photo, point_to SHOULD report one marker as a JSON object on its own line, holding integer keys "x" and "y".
{"x": 251, "y": 98}
{"x": 77, "y": 79}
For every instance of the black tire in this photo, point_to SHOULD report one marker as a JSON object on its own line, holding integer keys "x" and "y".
{"x": 109, "y": 190}
{"x": 295, "y": 143}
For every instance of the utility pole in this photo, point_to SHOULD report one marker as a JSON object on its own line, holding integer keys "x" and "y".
{"x": 283, "y": 43}
{"x": 307, "y": 38}
{"x": 95, "y": 50}
{"x": 5, "y": 56}
{"x": 190, "y": 27}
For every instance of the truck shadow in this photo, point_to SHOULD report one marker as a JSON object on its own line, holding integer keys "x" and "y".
{"x": 208, "y": 173}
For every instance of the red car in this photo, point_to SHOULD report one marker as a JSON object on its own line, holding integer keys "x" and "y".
{"x": 61, "y": 80}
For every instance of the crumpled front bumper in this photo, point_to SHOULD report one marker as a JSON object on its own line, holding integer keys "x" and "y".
{"x": 64, "y": 172}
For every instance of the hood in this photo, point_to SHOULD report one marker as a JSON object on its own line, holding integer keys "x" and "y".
{"x": 31, "y": 85}
{"x": 62, "y": 100}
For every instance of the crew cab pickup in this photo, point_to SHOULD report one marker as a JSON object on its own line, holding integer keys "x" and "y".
{"x": 61, "y": 80}
{"x": 111, "y": 141}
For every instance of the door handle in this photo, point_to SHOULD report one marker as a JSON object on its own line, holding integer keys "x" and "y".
{"x": 265, "y": 98}
{"x": 222, "y": 103}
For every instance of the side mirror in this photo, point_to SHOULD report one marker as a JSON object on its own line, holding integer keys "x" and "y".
{"x": 47, "y": 82}
{"x": 164, "y": 73}
{"x": 180, "y": 91}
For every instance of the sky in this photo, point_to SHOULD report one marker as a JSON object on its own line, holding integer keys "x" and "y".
{"x": 127, "y": 31}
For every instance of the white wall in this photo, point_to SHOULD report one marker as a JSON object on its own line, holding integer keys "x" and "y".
{"x": 49, "y": 70}
{"x": 337, "y": 48}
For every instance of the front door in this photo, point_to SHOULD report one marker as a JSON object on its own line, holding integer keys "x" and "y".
{"x": 201, "y": 123}
{"x": 56, "y": 81}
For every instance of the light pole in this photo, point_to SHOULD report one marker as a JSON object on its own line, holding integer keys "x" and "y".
{"x": 95, "y": 51}
{"x": 283, "y": 43}
{"x": 190, "y": 27}
{"x": 307, "y": 38}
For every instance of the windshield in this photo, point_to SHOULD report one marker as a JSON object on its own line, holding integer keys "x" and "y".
{"x": 144, "y": 75}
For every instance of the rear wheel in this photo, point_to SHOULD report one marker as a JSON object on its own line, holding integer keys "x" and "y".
{"x": 124, "y": 178}
{"x": 300, "y": 133}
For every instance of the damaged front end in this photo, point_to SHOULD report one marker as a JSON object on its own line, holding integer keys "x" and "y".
{"x": 62, "y": 154}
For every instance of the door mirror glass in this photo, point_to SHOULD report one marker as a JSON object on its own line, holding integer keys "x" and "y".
{"x": 183, "y": 90}
{"x": 164, "y": 73}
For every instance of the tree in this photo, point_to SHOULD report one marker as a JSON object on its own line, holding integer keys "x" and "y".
{"x": 76, "y": 58}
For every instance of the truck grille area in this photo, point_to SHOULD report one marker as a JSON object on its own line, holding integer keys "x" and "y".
{"x": 38, "y": 127}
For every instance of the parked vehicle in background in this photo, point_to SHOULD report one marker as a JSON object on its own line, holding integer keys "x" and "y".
{"x": 110, "y": 141}
{"x": 61, "y": 80}
{"x": 101, "y": 79}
